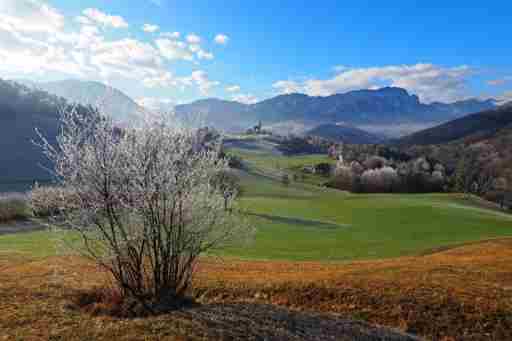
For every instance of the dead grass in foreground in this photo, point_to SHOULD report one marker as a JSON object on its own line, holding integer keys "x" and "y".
{"x": 458, "y": 294}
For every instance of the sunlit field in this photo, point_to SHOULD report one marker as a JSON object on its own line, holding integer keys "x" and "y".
{"x": 300, "y": 221}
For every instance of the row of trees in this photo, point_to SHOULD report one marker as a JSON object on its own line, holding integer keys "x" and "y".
{"x": 478, "y": 169}
{"x": 480, "y": 164}
{"x": 379, "y": 175}
{"x": 485, "y": 175}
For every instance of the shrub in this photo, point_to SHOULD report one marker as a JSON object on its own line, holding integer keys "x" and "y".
{"x": 374, "y": 162}
{"x": 357, "y": 168}
{"x": 227, "y": 183}
{"x": 343, "y": 180}
{"x": 13, "y": 206}
{"x": 48, "y": 201}
{"x": 285, "y": 179}
{"x": 235, "y": 162}
{"x": 145, "y": 202}
{"x": 323, "y": 168}
{"x": 380, "y": 180}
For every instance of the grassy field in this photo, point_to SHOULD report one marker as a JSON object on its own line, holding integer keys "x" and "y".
{"x": 304, "y": 222}
{"x": 270, "y": 162}
{"x": 447, "y": 284}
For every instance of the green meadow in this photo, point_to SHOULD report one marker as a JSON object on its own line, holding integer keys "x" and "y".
{"x": 301, "y": 221}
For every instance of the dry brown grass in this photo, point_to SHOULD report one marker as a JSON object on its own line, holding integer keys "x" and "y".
{"x": 459, "y": 294}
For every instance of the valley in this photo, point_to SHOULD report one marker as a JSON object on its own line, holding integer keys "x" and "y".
{"x": 320, "y": 255}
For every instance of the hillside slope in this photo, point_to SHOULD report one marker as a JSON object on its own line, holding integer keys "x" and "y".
{"x": 22, "y": 110}
{"x": 476, "y": 126}
{"x": 344, "y": 133}
{"x": 111, "y": 101}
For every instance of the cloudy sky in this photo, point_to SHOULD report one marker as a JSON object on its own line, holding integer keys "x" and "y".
{"x": 174, "y": 51}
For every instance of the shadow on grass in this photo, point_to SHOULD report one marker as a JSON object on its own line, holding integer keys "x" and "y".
{"x": 243, "y": 321}
{"x": 300, "y": 222}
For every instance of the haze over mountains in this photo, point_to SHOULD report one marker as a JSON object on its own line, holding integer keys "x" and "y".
{"x": 390, "y": 110}
{"x": 344, "y": 133}
{"x": 24, "y": 108}
{"x": 477, "y": 127}
{"x": 385, "y": 106}
{"x": 117, "y": 104}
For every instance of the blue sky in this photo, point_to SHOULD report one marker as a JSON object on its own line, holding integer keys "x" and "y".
{"x": 440, "y": 50}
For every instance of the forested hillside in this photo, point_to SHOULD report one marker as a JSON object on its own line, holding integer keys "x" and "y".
{"x": 22, "y": 110}
{"x": 473, "y": 127}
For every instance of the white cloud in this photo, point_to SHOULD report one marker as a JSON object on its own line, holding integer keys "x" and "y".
{"x": 83, "y": 20}
{"x": 172, "y": 35}
{"x": 200, "y": 53}
{"x": 430, "y": 82}
{"x": 156, "y": 2}
{"x": 204, "y": 55}
{"x": 233, "y": 88}
{"x": 156, "y": 104}
{"x": 245, "y": 98}
{"x": 129, "y": 59}
{"x": 30, "y": 16}
{"x": 160, "y": 80}
{"x": 89, "y": 38}
{"x": 150, "y": 28}
{"x": 173, "y": 50}
{"x": 193, "y": 39}
{"x": 221, "y": 39}
{"x": 34, "y": 41}
{"x": 29, "y": 33}
{"x": 200, "y": 78}
{"x": 288, "y": 87}
{"x": 104, "y": 19}
{"x": 194, "y": 48}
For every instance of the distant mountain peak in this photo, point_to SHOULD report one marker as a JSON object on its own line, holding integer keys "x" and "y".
{"x": 112, "y": 101}
{"x": 387, "y": 105}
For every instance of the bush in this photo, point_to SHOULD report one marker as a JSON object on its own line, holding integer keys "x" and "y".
{"x": 378, "y": 175}
{"x": 343, "y": 180}
{"x": 375, "y": 162}
{"x": 380, "y": 180}
{"x": 285, "y": 179}
{"x": 48, "y": 201}
{"x": 235, "y": 162}
{"x": 323, "y": 169}
{"x": 228, "y": 184}
{"x": 147, "y": 203}
{"x": 13, "y": 206}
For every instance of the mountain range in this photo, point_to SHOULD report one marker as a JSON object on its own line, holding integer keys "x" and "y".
{"x": 385, "y": 106}
{"x": 24, "y": 108}
{"x": 381, "y": 109}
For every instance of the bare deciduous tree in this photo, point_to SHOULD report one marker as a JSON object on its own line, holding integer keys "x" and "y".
{"x": 147, "y": 202}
